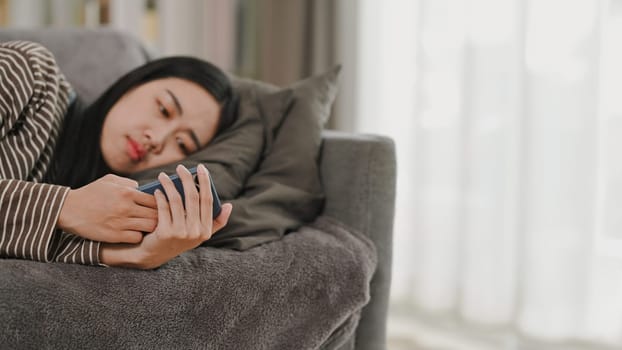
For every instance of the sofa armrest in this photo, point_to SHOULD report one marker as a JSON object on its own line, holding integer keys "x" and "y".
{"x": 359, "y": 173}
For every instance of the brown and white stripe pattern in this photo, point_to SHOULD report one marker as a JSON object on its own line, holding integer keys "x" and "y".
{"x": 33, "y": 101}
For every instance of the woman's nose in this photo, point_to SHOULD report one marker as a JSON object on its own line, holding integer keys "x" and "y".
{"x": 155, "y": 140}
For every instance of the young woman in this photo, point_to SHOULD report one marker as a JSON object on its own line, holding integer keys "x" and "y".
{"x": 59, "y": 199}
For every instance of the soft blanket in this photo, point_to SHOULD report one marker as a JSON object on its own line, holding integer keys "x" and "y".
{"x": 301, "y": 292}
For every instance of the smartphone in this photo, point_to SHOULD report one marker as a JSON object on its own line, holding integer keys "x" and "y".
{"x": 153, "y": 186}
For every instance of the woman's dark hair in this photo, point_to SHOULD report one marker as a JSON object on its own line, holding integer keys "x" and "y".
{"x": 78, "y": 159}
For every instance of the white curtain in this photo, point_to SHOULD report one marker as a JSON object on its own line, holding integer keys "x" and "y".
{"x": 507, "y": 116}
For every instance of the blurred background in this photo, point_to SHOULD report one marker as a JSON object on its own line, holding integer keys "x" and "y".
{"x": 507, "y": 116}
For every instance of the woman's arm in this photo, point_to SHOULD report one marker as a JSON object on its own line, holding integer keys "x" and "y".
{"x": 33, "y": 101}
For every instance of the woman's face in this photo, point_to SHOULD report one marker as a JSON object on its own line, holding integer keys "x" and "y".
{"x": 158, "y": 122}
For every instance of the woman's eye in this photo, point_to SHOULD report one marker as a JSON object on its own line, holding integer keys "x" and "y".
{"x": 164, "y": 111}
{"x": 182, "y": 146}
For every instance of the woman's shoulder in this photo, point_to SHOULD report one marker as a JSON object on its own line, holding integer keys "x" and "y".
{"x": 32, "y": 87}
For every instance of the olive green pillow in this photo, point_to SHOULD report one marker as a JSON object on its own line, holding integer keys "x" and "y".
{"x": 285, "y": 191}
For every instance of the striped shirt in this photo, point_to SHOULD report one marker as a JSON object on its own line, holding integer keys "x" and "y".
{"x": 34, "y": 98}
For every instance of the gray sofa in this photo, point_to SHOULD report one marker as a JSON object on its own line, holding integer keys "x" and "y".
{"x": 358, "y": 171}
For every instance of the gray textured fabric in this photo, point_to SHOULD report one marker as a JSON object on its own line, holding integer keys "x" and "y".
{"x": 358, "y": 174}
{"x": 295, "y": 293}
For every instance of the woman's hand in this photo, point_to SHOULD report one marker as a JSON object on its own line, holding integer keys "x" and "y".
{"x": 109, "y": 209}
{"x": 178, "y": 229}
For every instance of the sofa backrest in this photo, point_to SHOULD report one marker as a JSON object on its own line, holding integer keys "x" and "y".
{"x": 119, "y": 52}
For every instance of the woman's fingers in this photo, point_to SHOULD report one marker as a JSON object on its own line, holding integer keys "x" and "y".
{"x": 130, "y": 236}
{"x": 123, "y": 181}
{"x": 137, "y": 211}
{"x": 222, "y": 219}
{"x": 190, "y": 194}
{"x": 174, "y": 201}
{"x": 205, "y": 196}
{"x": 195, "y": 221}
{"x": 144, "y": 199}
{"x": 164, "y": 212}
{"x": 141, "y": 224}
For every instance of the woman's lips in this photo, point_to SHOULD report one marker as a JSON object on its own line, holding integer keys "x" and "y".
{"x": 135, "y": 150}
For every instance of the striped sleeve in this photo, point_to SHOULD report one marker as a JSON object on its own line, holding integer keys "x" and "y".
{"x": 33, "y": 101}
